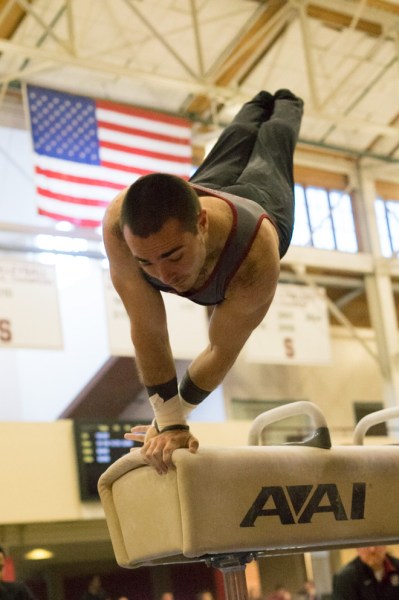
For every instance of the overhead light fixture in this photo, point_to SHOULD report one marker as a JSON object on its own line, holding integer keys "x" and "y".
{"x": 39, "y": 554}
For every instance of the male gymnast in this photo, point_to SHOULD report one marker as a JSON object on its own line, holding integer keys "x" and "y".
{"x": 216, "y": 240}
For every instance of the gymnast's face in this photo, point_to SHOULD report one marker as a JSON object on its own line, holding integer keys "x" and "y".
{"x": 172, "y": 255}
{"x": 373, "y": 556}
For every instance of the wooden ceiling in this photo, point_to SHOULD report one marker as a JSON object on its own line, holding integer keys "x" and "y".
{"x": 202, "y": 58}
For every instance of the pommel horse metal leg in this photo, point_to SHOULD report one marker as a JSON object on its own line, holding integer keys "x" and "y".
{"x": 232, "y": 567}
{"x": 225, "y": 506}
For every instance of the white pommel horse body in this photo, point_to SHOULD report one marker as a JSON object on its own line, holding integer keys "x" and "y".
{"x": 225, "y": 506}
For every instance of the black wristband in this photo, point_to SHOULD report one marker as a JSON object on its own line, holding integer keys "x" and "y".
{"x": 165, "y": 390}
{"x": 190, "y": 392}
{"x": 177, "y": 427}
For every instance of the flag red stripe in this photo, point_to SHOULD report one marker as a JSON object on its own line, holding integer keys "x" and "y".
{"x": 74, "y": 220}
{"x": 145, "y": 113}
{"x": 71, "y": 199}
{"x": 125, "y": 168}
{"x": 133, "y": 170}
{"x": 145, "y": 134}
{"x": 141, "y": 152}
{"x": 77, "y": 179}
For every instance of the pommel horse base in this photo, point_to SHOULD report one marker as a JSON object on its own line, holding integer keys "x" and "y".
{"x": 226, "y": 506}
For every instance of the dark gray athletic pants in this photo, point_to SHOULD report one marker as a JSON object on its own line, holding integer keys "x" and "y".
{"x": 253, "y": 157}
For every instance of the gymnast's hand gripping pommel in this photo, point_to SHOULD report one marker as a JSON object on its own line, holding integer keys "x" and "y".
{"x": 169, "y": 429}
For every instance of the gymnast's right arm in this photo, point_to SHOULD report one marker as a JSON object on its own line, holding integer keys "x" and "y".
{"x": 148, "y": 326}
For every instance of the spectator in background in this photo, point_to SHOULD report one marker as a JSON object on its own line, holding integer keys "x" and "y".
{"x": 95, "y": 590}
{"x": 12, "y": 590}
{"x": 254, "y": 594}
{"x": 372, "y": 575}
{"x": 204, "y": 595}
{"x": 308, "y": 591}
{"x": 167, "y": 596}
{"x": 279, "y": 593}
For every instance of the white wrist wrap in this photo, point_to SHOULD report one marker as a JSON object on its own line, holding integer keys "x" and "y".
{"x": 186, "y": 407}
{"x": 169, "y": 412}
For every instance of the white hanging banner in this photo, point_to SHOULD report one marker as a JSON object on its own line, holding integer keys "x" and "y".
{"x": 187, "y": 324}
{"x": 295, "y": 329}
{"x": 29, "y": 310}
{"x": 120, "y": 343}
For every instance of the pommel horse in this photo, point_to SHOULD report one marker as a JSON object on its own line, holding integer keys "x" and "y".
{"x": 226, "y": 506}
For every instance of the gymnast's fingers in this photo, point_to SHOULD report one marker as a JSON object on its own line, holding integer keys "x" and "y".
{"x": 153, "y": 451}
{"x": 138, "y": 433}
{"x": 175, "y": 441}
{"x": 138, "y": 429}
{"x": 158, "y": 450}
{"x": 193, "y": 444}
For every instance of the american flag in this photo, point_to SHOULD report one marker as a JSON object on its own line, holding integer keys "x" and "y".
{"x": 85, "y": 150}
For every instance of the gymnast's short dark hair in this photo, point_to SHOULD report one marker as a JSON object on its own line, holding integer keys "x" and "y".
{"x": 153, "y": 199}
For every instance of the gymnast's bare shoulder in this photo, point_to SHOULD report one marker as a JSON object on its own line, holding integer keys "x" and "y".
{"x": 111, "y": 225}
{"x": 125, "y": 273}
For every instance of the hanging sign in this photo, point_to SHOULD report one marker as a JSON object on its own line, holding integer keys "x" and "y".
{"x": 29, "y": 310}
{"x": 295, "y": 329}
{"x": 187, "y": 324}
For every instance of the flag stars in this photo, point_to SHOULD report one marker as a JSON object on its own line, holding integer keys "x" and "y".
{"x": 64, "y": 128}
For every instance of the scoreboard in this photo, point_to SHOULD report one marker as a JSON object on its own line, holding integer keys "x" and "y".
{"x": 98, "y": 444}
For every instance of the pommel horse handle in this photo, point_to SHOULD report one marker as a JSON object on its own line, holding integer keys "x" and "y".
{"x": 320, "y": 437}
{"x": 375, "y": 418}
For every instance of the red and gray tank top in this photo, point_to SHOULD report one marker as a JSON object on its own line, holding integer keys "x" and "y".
{"x": 247, "y": 218}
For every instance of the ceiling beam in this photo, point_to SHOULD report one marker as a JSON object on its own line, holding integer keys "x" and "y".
{"x": 112, "y": 69}
{"x": 242, "y": 56}
{"x": 377, "y": 14}
{"x": 391, "y": 7}
{"x": 309, "y": 56}
{"x": 11, "y": 15}
{"x": 254, "y": 43}
{"x": 341, "y": 20}
{"x": 352, "y": 123}
{"x": 71, "y": 28}
{"x": 340, "y": 13}
{"x": 48, "y": 28}
{"x": 161, "y": 39}
{"x": 342, "y": 262}
{"x": 197, "y": 38}
{"x": 360, "y": 97}
{"x": 375, "y": 143}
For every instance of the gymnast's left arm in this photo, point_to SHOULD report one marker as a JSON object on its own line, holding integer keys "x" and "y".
{"x": 247, "y": 301}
